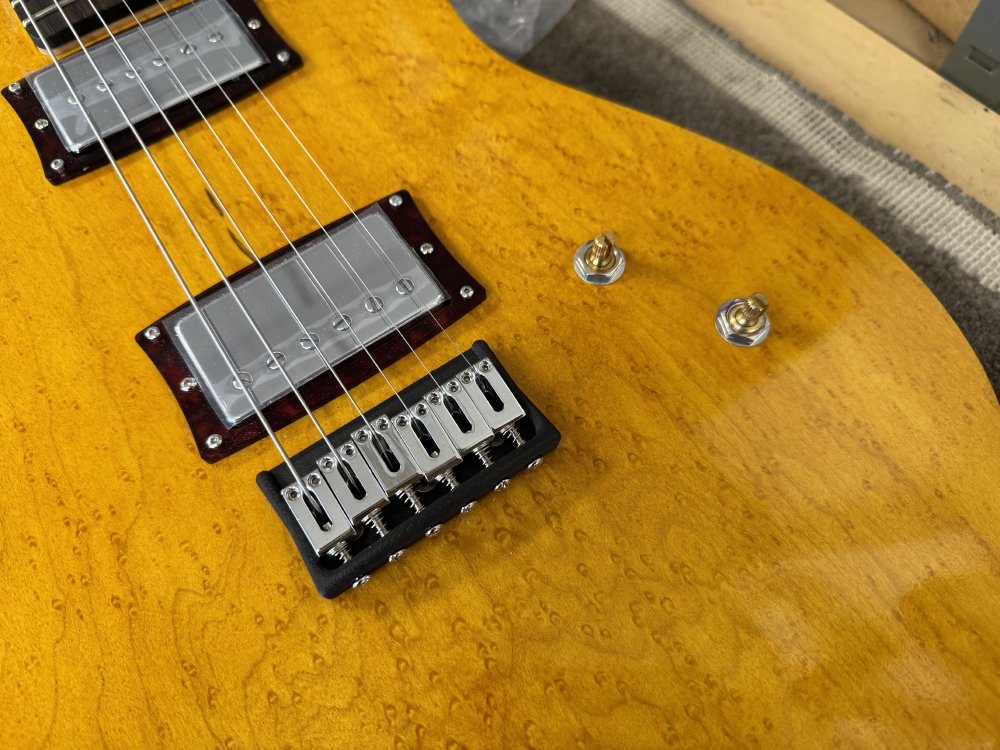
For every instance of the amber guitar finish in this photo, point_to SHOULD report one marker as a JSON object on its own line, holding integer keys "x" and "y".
{"x": 792, "y": 545}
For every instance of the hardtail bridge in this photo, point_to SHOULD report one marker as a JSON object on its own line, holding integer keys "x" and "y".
{"x": 398, "y": 474}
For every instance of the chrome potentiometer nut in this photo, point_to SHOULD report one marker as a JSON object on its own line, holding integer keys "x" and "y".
{"x": 744, "y": 322}
{"x": 600, "y": 261}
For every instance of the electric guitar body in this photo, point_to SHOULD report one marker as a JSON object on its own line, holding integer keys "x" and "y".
{"x": 794, "y": 543}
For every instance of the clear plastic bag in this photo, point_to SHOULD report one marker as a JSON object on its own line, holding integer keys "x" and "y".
{"x": 512, "y": 27}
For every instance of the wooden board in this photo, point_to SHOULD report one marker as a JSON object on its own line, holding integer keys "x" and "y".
{"x": 889, "y": 93}
{"x": 792, "y": 545}
{"x": 948, "y": 15}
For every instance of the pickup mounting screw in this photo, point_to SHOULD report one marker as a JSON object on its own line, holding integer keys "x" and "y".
{"x": 744, "y": 322}
{"x": 254, "y": 24}
{"x": 600, "y": 261}
{"x": 467, "y": 292}
{"x": 536, "y": 463}
{"x": 213, "y": 441}
{"x": 468, "y": 507}
{"x": 426, "y": 249}
{"x": 433, "y": 531}
{"x": 502, "y": 485}
{"x": 284, "y": 56}
{"x": 358, "y": 583}
{"x": 41, "y": 123}
{"x": 152, "y": 333}
{"x": 57, "y": 165}
{"x": 397, "y": 555}
{"x": 395, "y": 201}
{"x": 14, "y": 88}
{"x": 189, "y": 384}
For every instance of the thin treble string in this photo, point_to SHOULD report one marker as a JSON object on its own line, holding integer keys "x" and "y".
{"x": 231, "y": 219}
{"x": 371, "y": 237}
{"x": 175, "y": 270}
{"x": 194, "y": 230}
{"x": 298, "y": 195}
{"x": 301, "y": 262}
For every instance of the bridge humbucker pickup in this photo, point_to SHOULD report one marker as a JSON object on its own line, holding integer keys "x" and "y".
{"x": 198, "y": 51}
{"x": 420, "y": 288}
{"x": 418, "y": 504}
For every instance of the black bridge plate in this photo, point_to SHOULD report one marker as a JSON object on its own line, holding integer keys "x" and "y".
{"x": 369, "y": 551}
{"x": 51, "y": 150}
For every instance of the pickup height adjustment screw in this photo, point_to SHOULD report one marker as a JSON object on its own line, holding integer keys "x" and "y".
{"x": 426, "y": 248}
{"x": 213, "y": 441}
{"x": 395, "y": 201}
{"x": 600, "y": 261}
{"x": 467, "y": 292}
{"x": 57, "y": 165}
{"x": 284, "y": 56}
{"x": 14, "y": 88}
{"x": 254, "y": 24}
{"x": 744, "y": 321}
{"x": 189, "y": 384}
{"x": 41, "y": 123}
{"x": 152, "y": 333}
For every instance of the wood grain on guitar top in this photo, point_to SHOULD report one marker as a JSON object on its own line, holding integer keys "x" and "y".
{"x": 790, "y": 545}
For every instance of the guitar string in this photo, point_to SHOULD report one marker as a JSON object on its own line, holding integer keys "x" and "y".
{"x": 370, "y": 237}
{"x": 334, "y": 250}
{"x": 179, "y": 86}
{"x": 158, "y": 240}
{"x": 242, "y": 236}
{"x": 197, "y": 234}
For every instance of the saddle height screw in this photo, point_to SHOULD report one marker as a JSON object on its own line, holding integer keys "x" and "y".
{"x": 744, "y": 321}
{"x": 600, "y": 261}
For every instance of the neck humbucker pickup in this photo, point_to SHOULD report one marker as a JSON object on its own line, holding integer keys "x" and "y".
{"x": 398, "y": 474}
{"x": 179, "y": 66}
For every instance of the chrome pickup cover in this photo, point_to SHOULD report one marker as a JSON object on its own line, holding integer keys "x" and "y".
{"x": 218, "y": 47}
{"x": 399, "y": 298}
{"x": 436, "y": 292}
{"x": 214, "y": 51}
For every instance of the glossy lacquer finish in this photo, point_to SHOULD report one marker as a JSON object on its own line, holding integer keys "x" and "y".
{"x": 791, "y": 545}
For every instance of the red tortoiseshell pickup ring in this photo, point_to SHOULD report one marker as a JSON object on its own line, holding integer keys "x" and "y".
{"x": 364, "y": 290}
